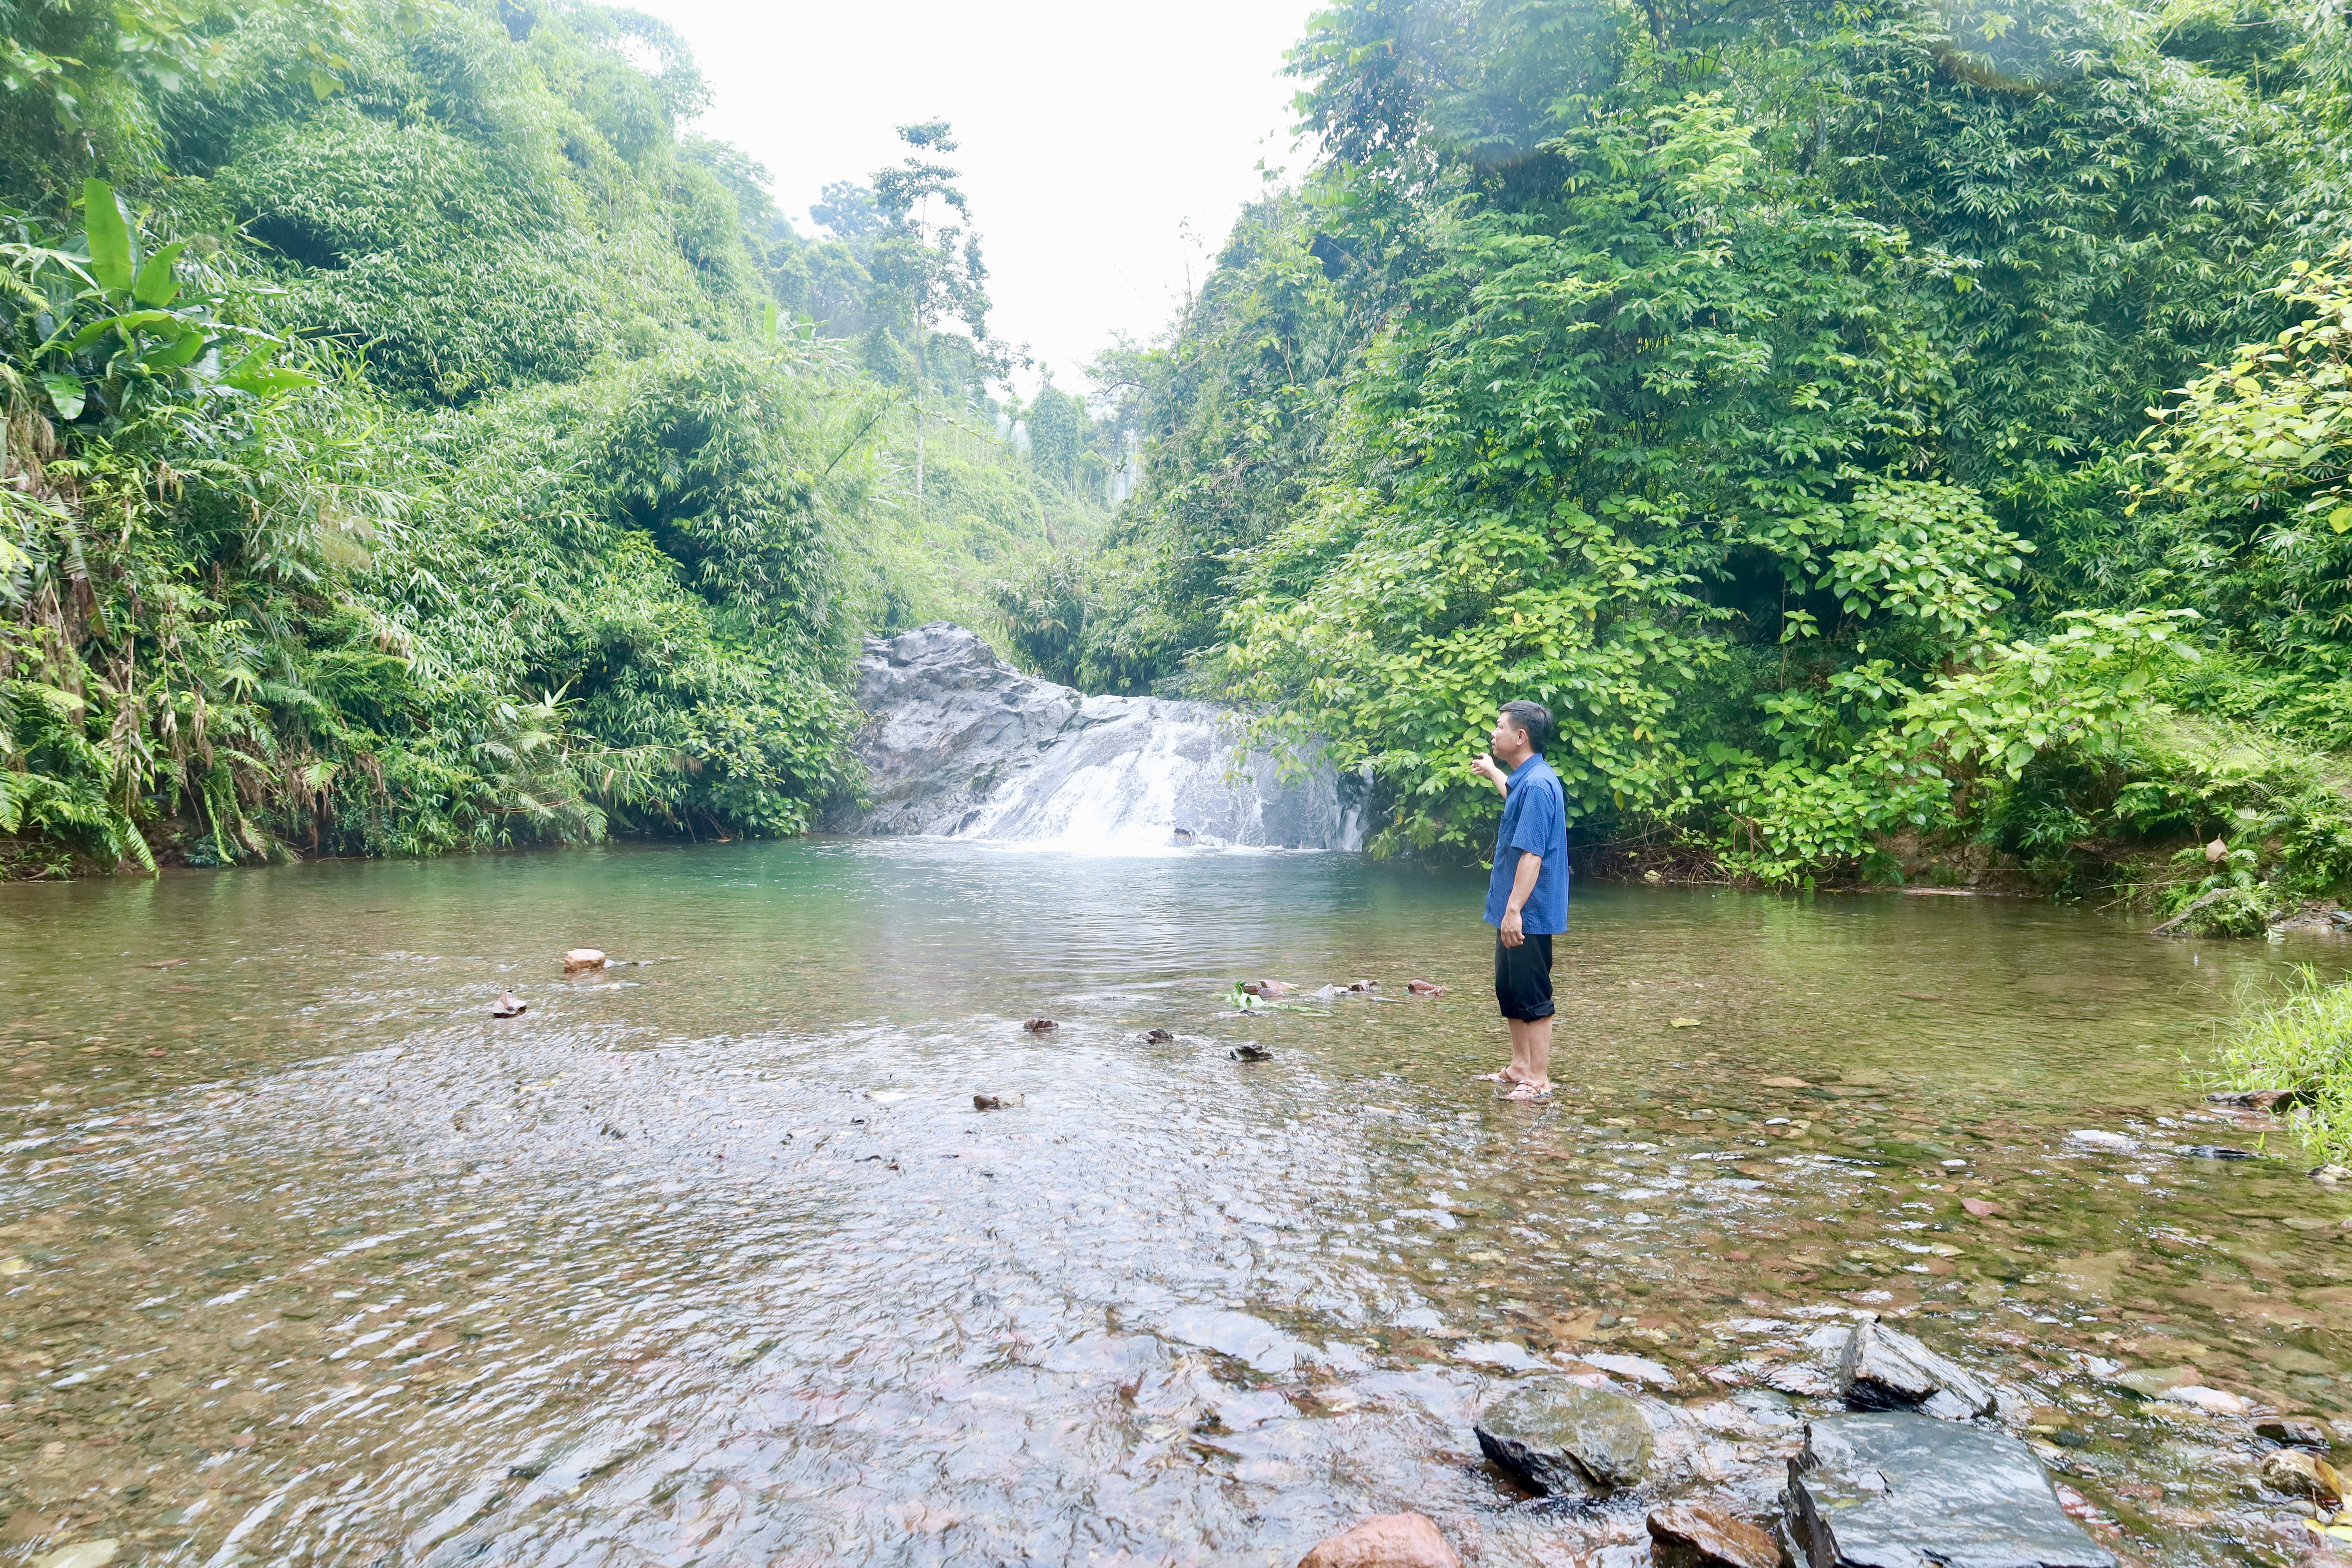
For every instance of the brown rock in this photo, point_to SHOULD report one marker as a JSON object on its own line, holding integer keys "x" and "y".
{"x": 1384, "y": 1540}
{"x": 1784, "y": 1083}
{"x": 1039, "y": 1025}
{"x": 1980, "y": 1208}
{"x": 584, "y": 960}
{"x": 1693, "y": 1535}
{"x": 2298, "y": 1472}
{"x": 1268, "y": 988}
{"x": 1424, "y": 988}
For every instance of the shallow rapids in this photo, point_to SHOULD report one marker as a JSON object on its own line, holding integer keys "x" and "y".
{"x": 711, "y": 1259}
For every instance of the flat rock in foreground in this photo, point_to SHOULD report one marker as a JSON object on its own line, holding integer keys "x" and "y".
{"x": 1893, "y": 1490}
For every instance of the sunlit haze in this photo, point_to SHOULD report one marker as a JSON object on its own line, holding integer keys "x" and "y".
{"x": 1106, "y": 148}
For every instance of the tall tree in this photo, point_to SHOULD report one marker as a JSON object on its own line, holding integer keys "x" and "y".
{"x": 926, "y": 266}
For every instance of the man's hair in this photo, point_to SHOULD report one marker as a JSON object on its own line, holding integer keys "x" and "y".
{"x": 1533, "y": 718}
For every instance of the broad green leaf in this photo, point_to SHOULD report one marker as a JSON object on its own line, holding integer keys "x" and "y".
{"x": 65, "y": 392}
{"x": 124, "y": 323}
{"x": 2340, "y": 518}
{"x": 192, "y": 343}
{"x": 155, "y": 285}
{"x": 266, "y": 380}
{"x": 112, "y": 259}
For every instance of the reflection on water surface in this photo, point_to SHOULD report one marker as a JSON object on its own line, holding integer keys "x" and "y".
{"x": 711, "y": 1260}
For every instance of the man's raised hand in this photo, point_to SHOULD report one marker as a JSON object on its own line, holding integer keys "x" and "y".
{"x": 1484, "y": 766}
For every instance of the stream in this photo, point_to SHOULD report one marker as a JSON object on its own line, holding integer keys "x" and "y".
{"x": 711, "y": 1259}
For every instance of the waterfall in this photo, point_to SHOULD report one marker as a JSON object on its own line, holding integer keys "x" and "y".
{"x": 962, "y": 745}
{"x": 1137, "y": 773}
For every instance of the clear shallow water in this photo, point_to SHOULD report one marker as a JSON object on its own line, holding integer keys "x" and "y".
{"x": 307, "y": 1261}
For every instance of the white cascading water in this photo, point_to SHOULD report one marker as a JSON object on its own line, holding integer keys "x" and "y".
{"x": 960, "y": 745}
{"x": 1136, "y": 774}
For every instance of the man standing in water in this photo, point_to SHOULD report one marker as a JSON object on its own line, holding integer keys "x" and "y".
{"x": 1526, "y": 897}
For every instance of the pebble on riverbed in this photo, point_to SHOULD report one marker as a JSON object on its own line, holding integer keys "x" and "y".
{"x": 584, "y": 960}
{"x": 1245, "y": 1052}
{"x": 1039, "y": 1025}
{"x": 2298, "y": 1472}
{"x": 999, "y": 1101}
{"x": 509, "y": 1006}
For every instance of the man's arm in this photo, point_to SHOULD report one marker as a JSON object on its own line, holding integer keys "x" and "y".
{"x": 1523, "y": 885}
{"x": 1486, "y": 768}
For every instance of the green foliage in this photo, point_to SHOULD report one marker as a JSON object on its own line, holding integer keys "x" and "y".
{"x": 1758, "y": 388}
{"x": 2298, "y": 1038}
{"x": 482, "y": 501}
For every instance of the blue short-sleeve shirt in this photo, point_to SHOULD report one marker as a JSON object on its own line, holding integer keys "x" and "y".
{"x": 1535, "y": 822}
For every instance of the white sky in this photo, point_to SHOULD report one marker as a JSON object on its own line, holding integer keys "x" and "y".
{"x": 1091, "y": 135}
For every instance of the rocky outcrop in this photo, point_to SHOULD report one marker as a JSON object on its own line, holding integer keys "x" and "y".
{"x": 960, "y": 743}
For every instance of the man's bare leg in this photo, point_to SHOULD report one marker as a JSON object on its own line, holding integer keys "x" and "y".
{"x": 1537, "y": 1065}
{"x": 1517, "y": 1071}
{"x": 1534, "y": 1069}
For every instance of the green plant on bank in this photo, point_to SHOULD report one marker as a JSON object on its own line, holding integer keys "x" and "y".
{"x": 2297, "y": 1037}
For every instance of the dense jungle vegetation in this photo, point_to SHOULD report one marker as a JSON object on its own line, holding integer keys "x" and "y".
{"x": 418, "y": 439}
{"x": 1838, "y": 415}
{"x": 1897, "y": 440}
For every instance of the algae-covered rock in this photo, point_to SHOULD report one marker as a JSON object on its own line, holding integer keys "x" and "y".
{"x": 1567, "y": 1440}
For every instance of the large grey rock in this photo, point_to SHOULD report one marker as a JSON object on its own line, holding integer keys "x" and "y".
{"x": 1893, "y": 1490}
{"x": 1566, "y": 1439}
{"x": 958, "y": 743}
{"x": 1886, "y": 1369}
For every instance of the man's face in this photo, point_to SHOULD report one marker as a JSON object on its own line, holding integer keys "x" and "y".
{"x": 1508, "y": 737}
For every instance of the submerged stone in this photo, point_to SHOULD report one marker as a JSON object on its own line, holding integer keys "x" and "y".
{"x": 1562, "y": 1439}
{"x": 1237, "y": 1334}
{"x": 2299, "y": 1432}
{"x": 999, "y": 1101}
{"x": 1886, "y": 1369}
{"x": 1894, "y": 1489}
{"x": 584, "y": 960}
{"x": 2298, "y": 1472}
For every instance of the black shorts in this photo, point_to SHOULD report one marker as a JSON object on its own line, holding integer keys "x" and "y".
{"x": 1522, "y": 977}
